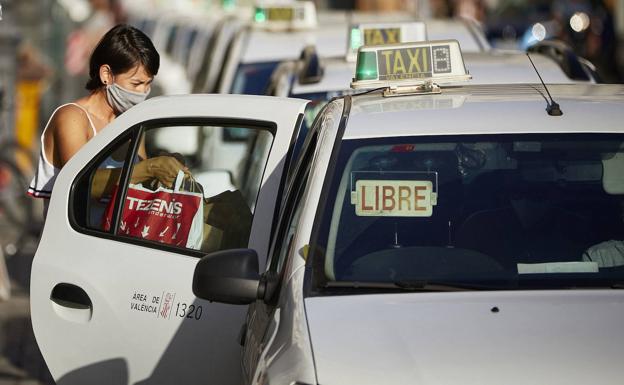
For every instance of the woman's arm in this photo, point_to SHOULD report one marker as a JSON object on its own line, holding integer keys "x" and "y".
{"x": 104, "y": 180}
{"x": 163, "y": 168}
{"x": 69, "y": 131}
{"x": 142, "y": 152}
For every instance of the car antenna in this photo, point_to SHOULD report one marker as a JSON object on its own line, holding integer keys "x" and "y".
{"x": 552, "y": 108}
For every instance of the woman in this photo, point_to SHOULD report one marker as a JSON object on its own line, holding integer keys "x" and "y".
{"x": 121, "y": 69}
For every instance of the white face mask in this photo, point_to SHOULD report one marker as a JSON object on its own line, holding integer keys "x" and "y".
{"x": 122, "y": 99}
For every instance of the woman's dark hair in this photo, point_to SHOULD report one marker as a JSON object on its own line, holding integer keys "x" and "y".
{"x": 122, "y": 48}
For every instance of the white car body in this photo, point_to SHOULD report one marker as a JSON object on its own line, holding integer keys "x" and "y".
{"x": 570, "y": 336}
{"x": 467, "y": 32}
{"x": 110, "y": 273}
{"x": 441, "y": 338}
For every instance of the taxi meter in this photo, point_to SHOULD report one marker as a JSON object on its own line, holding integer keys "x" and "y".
{"x": 383, "y": 33}
{"x": 410, "y": 67}
{"x": 285, "y": 15}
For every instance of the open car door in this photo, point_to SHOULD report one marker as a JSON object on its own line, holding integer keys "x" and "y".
{"x": 111, "y": 295}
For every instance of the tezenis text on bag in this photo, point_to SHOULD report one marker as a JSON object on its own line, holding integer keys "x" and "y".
{"x": 164, "y": 215}
{"x": 157, "y": 205}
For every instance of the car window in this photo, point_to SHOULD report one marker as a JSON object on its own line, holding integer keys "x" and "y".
{"x": 172, "y": 195}
{"x": 96, "y": 185}
{"x": 253, "y": 78}
{"x": 500, "y": 210}
{"x": 250, "y": 169}
{"x": 250, "y": 79}
{"x": 292, "y": 209}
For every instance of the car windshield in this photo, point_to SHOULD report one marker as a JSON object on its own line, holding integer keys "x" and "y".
{"x": 495, "y": 211}
{"x": 253, "y": 78}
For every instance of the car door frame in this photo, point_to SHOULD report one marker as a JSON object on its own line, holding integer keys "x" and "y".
{"x": 254, "y": 337}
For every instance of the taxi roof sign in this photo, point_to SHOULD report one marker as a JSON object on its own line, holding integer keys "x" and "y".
{"x": 404, "y": 66}
{"x": 383, "y": 33}
{"x": 285, "y": 15}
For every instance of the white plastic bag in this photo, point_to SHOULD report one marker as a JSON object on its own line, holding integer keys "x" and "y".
{"x": 196, "y": 232}
{"x": 171, "y": 216}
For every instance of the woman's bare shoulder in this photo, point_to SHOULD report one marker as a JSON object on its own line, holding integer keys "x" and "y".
{"x": 70, "y": 118}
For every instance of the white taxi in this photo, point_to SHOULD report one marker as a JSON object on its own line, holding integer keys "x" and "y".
{"x": 320, "y": 78}
{"x": 426, "y": 234}
{"x": 441, "y": 235}
{"x": 277, "y": 33}
{"x": 331, "y": 76}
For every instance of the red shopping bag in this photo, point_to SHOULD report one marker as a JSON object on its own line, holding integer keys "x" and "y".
{"x": 163, "y": 215}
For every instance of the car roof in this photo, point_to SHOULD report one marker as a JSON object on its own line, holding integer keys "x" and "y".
{"x": 512, "y": 67}
{"x": 269, "y": 46}
{"x": 486, "y": 68}
{"x": 330, "y": 38}
{"x": 337, "y": 74}
{"x": 470, "y": 37}
{"x": 488, "y": 109}
{"x": 469, "y": 34}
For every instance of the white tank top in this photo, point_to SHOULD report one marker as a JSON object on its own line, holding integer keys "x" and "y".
{"x": 43, "y": 181}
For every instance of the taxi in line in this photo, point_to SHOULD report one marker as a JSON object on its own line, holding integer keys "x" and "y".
{"x": 320, "y": 79}
{"x": 315, "y": 77}
{"x": 426, "y": 233}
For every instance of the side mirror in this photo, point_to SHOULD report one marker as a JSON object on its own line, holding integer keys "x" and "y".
{"x": 230, "y": 276}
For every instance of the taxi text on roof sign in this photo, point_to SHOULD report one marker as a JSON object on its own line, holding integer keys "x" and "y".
{"x": 409, "y": 64}
{"x": 285, "y": 15}
{"x": 383, "y": 33}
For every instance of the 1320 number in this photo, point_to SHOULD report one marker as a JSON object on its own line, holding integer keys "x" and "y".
{"x": 188, "y": 311}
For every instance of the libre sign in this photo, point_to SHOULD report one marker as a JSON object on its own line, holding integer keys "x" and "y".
{"x": 393, "y": 198}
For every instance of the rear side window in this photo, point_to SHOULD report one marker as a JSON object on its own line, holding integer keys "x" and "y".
{"x": 175, "y": 186}
{"x": 96, "y": 183}
{"x": 253, "y": 78}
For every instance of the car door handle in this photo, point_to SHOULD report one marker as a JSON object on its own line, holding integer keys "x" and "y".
{"x": 71, "y": 302}
{"x": 68, "y": 295}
